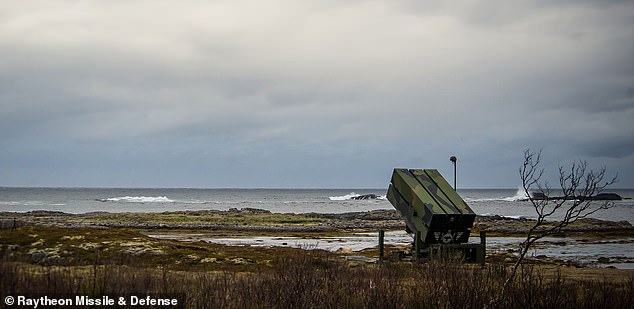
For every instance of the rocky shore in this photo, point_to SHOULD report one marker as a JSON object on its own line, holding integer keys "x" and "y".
{"x": 250, "y": 219}
{"x": 140, "y": 234}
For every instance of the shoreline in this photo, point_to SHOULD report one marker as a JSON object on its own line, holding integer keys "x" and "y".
{"x": 146, "y": 233}
{"x": 258, "y": 220}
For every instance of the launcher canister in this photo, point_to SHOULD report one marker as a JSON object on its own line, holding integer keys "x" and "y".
{"x": 430, "y": 206}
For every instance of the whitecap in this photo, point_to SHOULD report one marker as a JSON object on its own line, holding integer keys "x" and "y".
{"x": 139, "y": 199}
{"x": 516, "y": 217}
{"x": 344, "y": 197}
{"x": 520, "y": 195}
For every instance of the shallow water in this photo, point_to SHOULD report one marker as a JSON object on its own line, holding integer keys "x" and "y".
{"x": 504, "y": 202}
{"x": 618, "y": 251}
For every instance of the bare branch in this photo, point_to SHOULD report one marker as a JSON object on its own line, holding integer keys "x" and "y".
{"x": 578, "y": 184}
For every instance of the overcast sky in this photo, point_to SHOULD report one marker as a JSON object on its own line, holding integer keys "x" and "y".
{"x": 325, "y": 94}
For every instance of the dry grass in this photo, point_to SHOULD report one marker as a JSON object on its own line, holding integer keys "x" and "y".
{"x": 55, "y": 246}
{"x": 311, "y": 279}
{"x": 116, "y": 262}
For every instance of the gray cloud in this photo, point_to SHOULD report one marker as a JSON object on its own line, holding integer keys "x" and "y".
{"x": 338, "y": 88}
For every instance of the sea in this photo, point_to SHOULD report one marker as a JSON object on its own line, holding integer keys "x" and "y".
{"x": 617, "y": 252}
{"x": 488, "y": 202}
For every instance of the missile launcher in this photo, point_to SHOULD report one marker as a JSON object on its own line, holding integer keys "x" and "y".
{"x": 434, "y": 212}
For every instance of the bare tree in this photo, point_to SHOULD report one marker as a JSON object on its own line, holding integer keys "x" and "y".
{"x": 578, "y": 185}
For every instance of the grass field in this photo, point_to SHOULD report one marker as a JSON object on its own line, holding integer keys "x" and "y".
{"x": 118, "y": 261}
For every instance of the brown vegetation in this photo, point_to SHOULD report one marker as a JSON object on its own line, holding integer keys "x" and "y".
{"x": 41, "y": 260}
{"x": 257, "y": 220}
{"x": 314, "y": 279}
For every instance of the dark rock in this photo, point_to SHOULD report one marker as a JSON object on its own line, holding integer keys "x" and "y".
{"x": 607, "y": 197}
{"x": 47, "y": 213}
{"x": 598, "y": 197}
{"x": 248, "y": 211}
{"x": 365, "y": 197}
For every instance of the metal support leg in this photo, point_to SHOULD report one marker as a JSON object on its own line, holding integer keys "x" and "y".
{"x": 417, "y": 245}
{"x": 483, "y": 243}
{"x": 381, "y": 241}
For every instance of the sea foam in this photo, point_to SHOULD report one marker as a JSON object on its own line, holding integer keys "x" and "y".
{"x": 346, "y": 197}
{"x": 139, "y": 199}
{"x": 352, "y": 195}
{"x": 519, "y": 196}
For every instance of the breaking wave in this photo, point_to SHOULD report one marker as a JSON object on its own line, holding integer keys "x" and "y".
{"x": 351, "y": 196}
{"x": 30, "y": 203}
{"x": 516, "y": 217}
{"x": 165, "y": 199}
{"x": 139, "y": 199}
{"x": 346, "y": 197}
{"x": 519, "y": 196}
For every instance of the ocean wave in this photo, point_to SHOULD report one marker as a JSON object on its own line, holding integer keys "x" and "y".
{"x": 165, "y": 199}
{"x": 139, "y": 199}
{"x": 24, "y": 203}
{"x": 305, "y": 202}
{"x": 346, "y": 197}
{"x": 353, "y": 195}
{"x": 517, "y": 217}
{"x": 519, "y": 196}
{"x": 11, "y": 203}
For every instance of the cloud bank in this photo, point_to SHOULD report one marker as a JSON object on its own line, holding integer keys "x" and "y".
{"x": 310, "y": 94}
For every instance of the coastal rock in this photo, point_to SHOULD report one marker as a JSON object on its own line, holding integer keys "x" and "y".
{"x": 365, "y": 197}
{"x": 606, "y": 197}
{"x": 44, "y": 213}
{"x": 249, "y": 211}
{"x": 373, "y": 215}
{"x": 261, "y": 220}
{"x": 511, "y": 226}
{"x": 598, "y": 197}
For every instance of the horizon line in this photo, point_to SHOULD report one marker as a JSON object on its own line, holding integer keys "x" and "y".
{"x": 255, "y": 188}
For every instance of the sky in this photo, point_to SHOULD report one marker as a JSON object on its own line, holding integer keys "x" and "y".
{"x": 311, "y": 94}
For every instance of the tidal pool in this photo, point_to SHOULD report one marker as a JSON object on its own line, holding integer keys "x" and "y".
{"x": 594, "y": 252}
